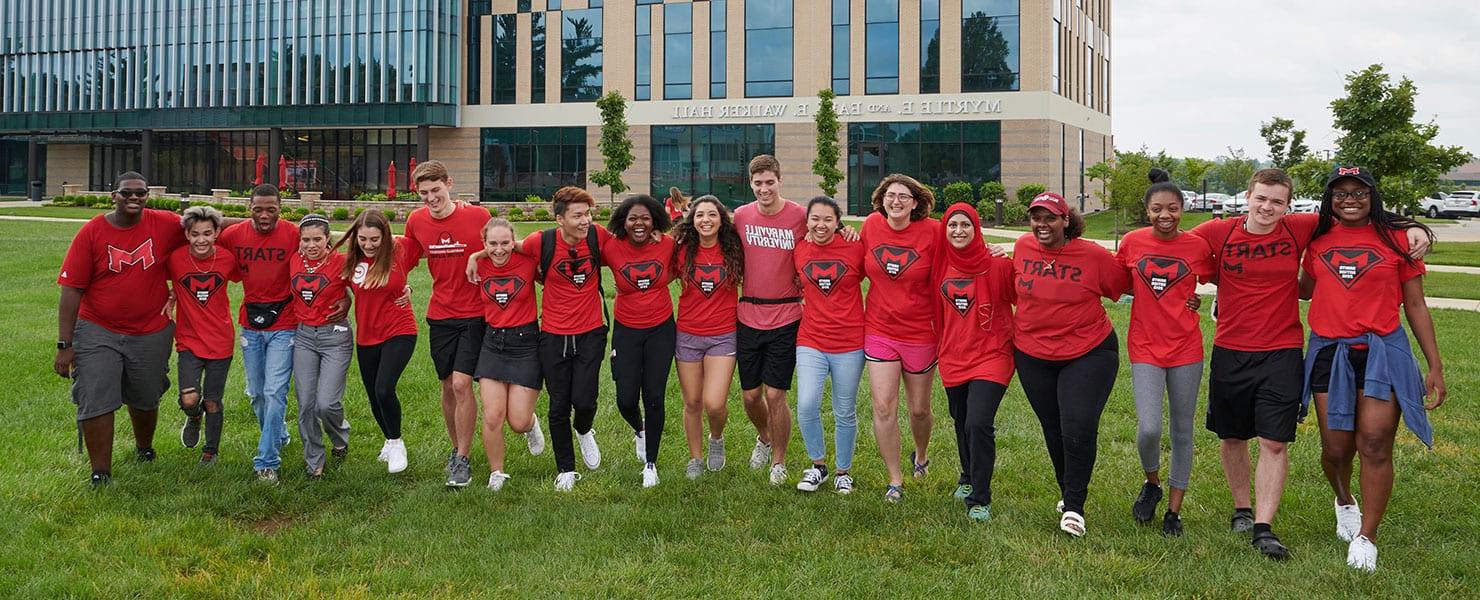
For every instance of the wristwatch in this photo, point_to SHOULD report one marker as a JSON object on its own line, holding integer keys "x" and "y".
{"x": 61, "y": 345}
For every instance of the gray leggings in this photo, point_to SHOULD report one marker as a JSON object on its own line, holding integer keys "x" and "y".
{"x": 1180, "y": 385}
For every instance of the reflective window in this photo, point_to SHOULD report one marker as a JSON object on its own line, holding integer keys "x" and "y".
{"x": 503, "y": 49}
{"x": 519, "y": 162}
{"x": 644, "y": 54}
{"x": 929, "y": 46}
{"x": 678, "y": 51}
{"x": 937, "y": 153}
{"x": 989, "y": 45}
{"x": 841, "y": 40}
{"x": 881, "y": 47}
{"x": 768, "y": 48}
{"x": 708, "y": 159}
{"x": 718, "y": 63}
{"x": 580, "y": 55}
{"x": 537, "y": 57}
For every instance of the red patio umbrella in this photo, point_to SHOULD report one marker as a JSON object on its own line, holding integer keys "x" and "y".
{"x": 411, "y": 185}
{"x": 261, "y": 166}
{"x": 390, "y": 176}
{"x": 282, "y": 171}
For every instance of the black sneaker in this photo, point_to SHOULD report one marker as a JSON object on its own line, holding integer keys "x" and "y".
{"x": 1171, "y": 525}
{"x": 812, "y": 478}
{"x": 190, "y": 432}
{"x": 207, "y": 457}
{"x": 1242, "y": 521}
{"x": 1144, "y": 508}
{"x": 145, "y": 454}
{"x": 100, "y": 479}
{"x": 460, "y": 473}
{"x": 1269, "y": 545}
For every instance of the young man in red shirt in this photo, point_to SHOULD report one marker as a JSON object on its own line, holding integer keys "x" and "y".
{"x": 113, "y": 338}
{"x": 446, "y": 233}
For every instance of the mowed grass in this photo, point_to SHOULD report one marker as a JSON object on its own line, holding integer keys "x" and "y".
{"x": 170, "y": 528}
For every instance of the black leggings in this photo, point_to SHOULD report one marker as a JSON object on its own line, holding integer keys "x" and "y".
{"x": 571, "y": 365}
{"x": 641, "y": 361}
{"x": 1068, "y": 397}
{"x": 380, "y": 370}
{"x": 974, "y": 410}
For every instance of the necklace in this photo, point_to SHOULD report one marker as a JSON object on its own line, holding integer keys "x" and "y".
{"x": 1049, "y": 263}
{"x": 314, "y": 268}
{"x": 198, "y": 268}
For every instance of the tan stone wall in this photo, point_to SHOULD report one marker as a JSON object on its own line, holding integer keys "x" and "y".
{"x": 66, "y": 163}
{"x": 796, "y": 146}
{"x": 1030, "y": 155}
{"x": 458, "y": 149}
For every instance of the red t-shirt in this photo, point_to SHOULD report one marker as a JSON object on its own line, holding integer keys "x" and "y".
{"x": 1059, "y": 313}
{"x": 263, "y": 262}
{"x": 1258, "y": 282}
{"x": 976, "y": 324}
{"x": 673, "y": 213}
{"x": 768, "y": 241}
{"x": 316, "y": 292}
{"x": 377, "y": 315}
{"x": 900, "y": 269}
{"x": 642, "y": 274}
{"x": 122, "y": 271}
{"x": 1359, "y": 281}
{"x": 508, "y": 291}
{"x": 706, "y": 306}
{"x": 832, "y": 295}
{"x": 572, "y": 302}
{"x": 446, "y": 244}
{"x": 1164, "y": 276}
{"x": 202, "y": 308}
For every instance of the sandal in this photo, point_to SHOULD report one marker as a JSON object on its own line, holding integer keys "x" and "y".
{"x": 1242, "y": 521}
{"x": 339, "y": 452}
{"x": 1268, "y": 544}
{"x": 893, "y": 493}
{"x": 920, "y": 469}
{"x": 1072, "y": 523}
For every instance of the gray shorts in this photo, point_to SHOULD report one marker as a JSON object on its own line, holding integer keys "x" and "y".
{"x": 693, "y": 348}
{"x": 114, "y": 369}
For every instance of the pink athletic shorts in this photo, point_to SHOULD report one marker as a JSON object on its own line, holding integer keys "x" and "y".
{"x": 914, "y": 358}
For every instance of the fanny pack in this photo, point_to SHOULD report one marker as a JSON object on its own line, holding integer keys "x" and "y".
{"x": 261, "y": 315}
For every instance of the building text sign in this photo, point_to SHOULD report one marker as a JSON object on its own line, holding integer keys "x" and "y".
{"x": 782, "y": 109}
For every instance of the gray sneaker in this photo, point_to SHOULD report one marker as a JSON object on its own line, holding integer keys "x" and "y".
{"x": 461, "y": 472}
{"x": 716, "y": 454}
{"x": 451, "y": 461}
{"x": 190, "y": 432}
{"x": 696, "y": 468}
{"x": 267, "y": 476}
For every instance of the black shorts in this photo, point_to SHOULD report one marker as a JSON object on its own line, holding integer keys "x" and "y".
{"x": 766, "y": 356}
{"x": 511, "y": 355}
{"x": 1255, "y": 394}
{"x": 456, "y": 344}
{"x": 1320, "y": 370}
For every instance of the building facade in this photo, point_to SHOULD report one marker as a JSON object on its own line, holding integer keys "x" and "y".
{"x": 504, "y": 91}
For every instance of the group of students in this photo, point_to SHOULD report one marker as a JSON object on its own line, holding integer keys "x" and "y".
{"x": 775, "y": 290}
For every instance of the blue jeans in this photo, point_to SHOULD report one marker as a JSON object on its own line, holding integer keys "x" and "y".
{"x": 268, "y": 356}
{"x": 813, "y": 367}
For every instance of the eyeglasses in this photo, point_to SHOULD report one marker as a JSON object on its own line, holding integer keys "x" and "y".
{"x": 894, "y": 196}
{"x": 136, "y": 193}
{"x": 1359, "y": 195}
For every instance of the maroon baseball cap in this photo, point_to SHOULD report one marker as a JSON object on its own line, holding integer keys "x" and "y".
{"x": 1054, "y": 203}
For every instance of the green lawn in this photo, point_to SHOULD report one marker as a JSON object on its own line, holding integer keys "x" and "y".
{"x": 60, "y": 212}
{"x": 1451, "y": 285}
{"x": 170, "y": 528}
{"x": 1465, "y": 254}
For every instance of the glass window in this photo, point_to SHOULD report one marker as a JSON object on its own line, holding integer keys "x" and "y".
{"x": 504, "y": 42}
{"x": 519, "y": 162}
{"x": 580, "y": 55}
{"x": 718, "y": 62}
{"x": 929, "y": 46}
{"x": 678, "y": 51}
{"x": 1054, "y": 81}
{"x": 708, "y": 159}
{"x": 644, "y": 54}
{"x": 881, "y": 47}
{"x": 937, "y": 153}
{"x": 768, "y": 48}
{"x": 989, "y": 45}
{"x": 537, "y": 57}
{"x": 841, "y": 40}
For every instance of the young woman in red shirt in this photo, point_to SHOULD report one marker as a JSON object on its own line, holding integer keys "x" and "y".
{"x": 1066, "y": 352}
{"x": 709, "y": 264}
{"x": 322, "y": 344}
{"x": 1165, "y": 341}
{"x": 1360, "y": 366}
{"x": 974, "y": 309}
{"x": 508, "y": 368}
{"x": 900, "y": 243}
{"x": 204, "y": 333}
{"x": 376, "y": 266}
{"x": 644, "y": 336}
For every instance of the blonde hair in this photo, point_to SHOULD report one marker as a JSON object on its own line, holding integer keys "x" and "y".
{"x": 196, "y": 214}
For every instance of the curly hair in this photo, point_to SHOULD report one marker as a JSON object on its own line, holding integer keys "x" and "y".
{"x": 1075, "y": 226}
{"x": 618, "y": 223}
{"x": 924, "y": 198}
{"x": 686, "y": 242}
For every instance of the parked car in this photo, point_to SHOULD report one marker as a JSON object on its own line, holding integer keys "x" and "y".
{"x": 1464, "y": 203}
{"x": 1189, "y": 201}
{"x": 1237, "y": 205}
{"x": 1305, "y": 205}
{"x": 1213, "y": 201}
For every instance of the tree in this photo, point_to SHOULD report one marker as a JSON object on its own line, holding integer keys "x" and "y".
{"x": 826, "y": 163}
{"x": 1378, "y": 132}
{"x": 1125, "y": 181}
{"x": 1286, "y": 143}
{"x": 1191, "y": 172}
{"x": 1310, "y": 176}
{"x": 1231, "y": 174}
{"x": 615, "y": 145}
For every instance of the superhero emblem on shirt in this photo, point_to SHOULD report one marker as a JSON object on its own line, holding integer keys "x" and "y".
{"x": 502, "y": 290}
{"x": 708, "y": 278}
{"x": 1160, "y": 273}
{"x": 308, "y": 286}
{"x": 960, "y": 293}
{"x": 825, "y": 274}
{"x": 642, "y": 275}
{"x": 895, "y": 260}
{"x": 201, "y": 285}
{"x": 1350, "y": 264}
{"x": 143, "y": 256}
{"x": 577, "y": 270}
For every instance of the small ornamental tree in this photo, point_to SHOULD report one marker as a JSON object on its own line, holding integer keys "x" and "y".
{"x": 826, "y": 163}
{"x": 615, "y": 144}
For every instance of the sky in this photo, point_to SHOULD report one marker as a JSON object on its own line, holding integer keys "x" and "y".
{"x": 1194, "y": 77}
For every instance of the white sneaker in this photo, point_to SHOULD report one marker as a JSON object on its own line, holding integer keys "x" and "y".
{"x": 640, "y": 440}
{"x": 1362, "y": 554}
{"x": 760, "y": 456}
{"x": 535, "y": 438}
{"x": 590, "y": 453}
{"x": 843, "y": 484}
{"x": 649, "y": 476}
{"x": 395, "y": 456}
{"x": 1348, "y": 520}
{"x": 384, "y": 451}
{"x": 778, "y": 474}
{"x": 496, "y": 480}
{"x": 564, "y": 482}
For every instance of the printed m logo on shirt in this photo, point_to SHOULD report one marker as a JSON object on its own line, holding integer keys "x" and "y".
{"x": 309, "y": 285}
{"x": 708, "y": 278}
{"x": 960, "y": 293}
{"x": 825, "y": 274}
{"x": 202, "y": 286}
{"x": 142, "y": 256}
{"x": 502, "y": 290}
{"x": 643, "y": 274}
{"x": 895, "y": 260}
{"x": 1350, "y": 264}
{"x": 1160, "y": 273}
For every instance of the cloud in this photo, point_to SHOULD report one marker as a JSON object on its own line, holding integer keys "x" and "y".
{"x": 1195, "y": 78}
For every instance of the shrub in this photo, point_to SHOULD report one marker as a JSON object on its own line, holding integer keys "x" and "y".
{"x": 959, "y": 191}
{"x": 604, "y": 214}
{"x": 533, "y": 198}
{"x": 541, "y": 214}
{"x": 1014, "y": 212}
{"x": 492, "y": 211}
{"x": 516, "y": 214}
{"x": 390, "y": 214}
{"x": 1027, "y": 191}
{"x": 991, "y": 192}
{"x": 341, "y": 214}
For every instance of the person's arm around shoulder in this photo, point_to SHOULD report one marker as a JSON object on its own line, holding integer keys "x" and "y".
{"x": 1114, "y": 277}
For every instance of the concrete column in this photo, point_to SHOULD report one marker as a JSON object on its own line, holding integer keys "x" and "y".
{"x": 146, "y": 154}
{"x": 33, "y": 167}
{"x": 274, "y": 150}
{"x": 423, "y": 143}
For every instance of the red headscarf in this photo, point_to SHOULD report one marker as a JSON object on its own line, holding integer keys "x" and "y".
{"x": 974, "y": 258}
